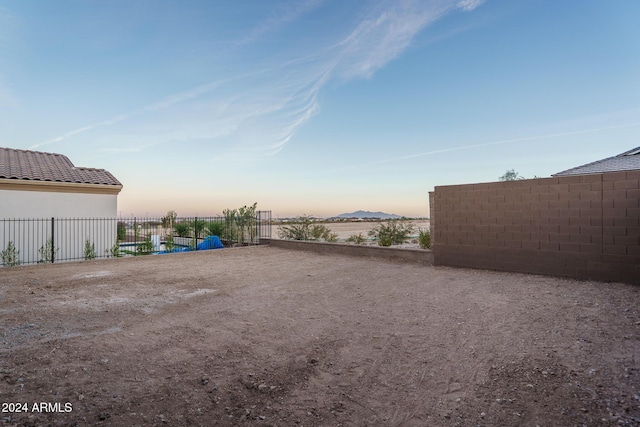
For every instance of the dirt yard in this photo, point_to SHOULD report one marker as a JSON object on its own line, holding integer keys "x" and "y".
{"x": 269, "y": 337}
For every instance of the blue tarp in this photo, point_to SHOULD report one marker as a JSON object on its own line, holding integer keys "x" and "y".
{"x": 210, "y": 242}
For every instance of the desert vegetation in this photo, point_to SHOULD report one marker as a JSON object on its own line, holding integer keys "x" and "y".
{"x": 392, "y": 232}
{"x": 10, "y": 255}
{"x": 405, "y": 232}
{"x": 305, "y": 229}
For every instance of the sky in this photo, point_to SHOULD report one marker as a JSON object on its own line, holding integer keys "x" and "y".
{"x": 317, "y": 107}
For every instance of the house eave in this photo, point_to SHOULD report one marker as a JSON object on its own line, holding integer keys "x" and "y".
{"x": 58, "y": 187}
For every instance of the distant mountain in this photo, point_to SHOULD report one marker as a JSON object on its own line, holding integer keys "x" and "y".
{"x": 368, "y": 214}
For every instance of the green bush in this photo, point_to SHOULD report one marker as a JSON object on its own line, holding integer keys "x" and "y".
{"x": 146, "y": 247}
{"x": 115, "y": 250}
{"x": 122, "y": 231}
{"x": 304, "y": 229}
{"x": 169, "y": 245}
{"x": 393, "y": 232}
{"x": 424, "y": 238}
{"x": 198, "y": 226}
{"x": 9, "y": 256}
{"x": 89, "y": 250}
{"x": 330, "y": 237}
{"x": 215, "y": 228}
{"x": 45, "y": 252}
{"x": 385, "y": 241}
{"x": 358, "y": 239}
{"x": 183, "y": 228}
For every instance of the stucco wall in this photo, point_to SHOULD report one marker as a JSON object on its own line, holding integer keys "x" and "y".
{"x": 25, "y": 221}
{"x": 583, "y": 226}
{"x": 38, "y": 204}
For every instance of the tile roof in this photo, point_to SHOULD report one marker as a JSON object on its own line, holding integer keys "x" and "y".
{"x": 38, "y": 166}
{"x": 629, "y": 160}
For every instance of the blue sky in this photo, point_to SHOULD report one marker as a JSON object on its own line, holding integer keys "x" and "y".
{"x": 317, "y": 106}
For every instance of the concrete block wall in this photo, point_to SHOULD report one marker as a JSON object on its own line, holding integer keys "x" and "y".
{"x": 421, "y": 256}
{"x": 583, "y": 226}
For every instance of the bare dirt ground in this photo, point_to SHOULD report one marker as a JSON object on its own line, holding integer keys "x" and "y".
{"x": 269, "y": 337}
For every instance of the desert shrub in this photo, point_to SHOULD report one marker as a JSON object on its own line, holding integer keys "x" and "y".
{"x": 385, "y": 241}
{"x": 392, "y": 232}
{"x": 169, "y": 245}
{"x": 215, "y": 228}
{"x": 114, "y": 251}
{"x": 198, "y": 226}
{"x": 330, "y": 237}
{"x": 321, "y": 231}
{"x": 46, "y": 250}
{"x": 304, "y": 229}
{"x": 424, "y": 238}
{"x": 146, "y": 247}
{"x": 294, "y": 232}
{"x": 9, "y": 256}
{"x": 89, "y": 250}
{"x": 183, "y": 228}
{"x": 122, "y": 231}
{"x": 358, "y": 239}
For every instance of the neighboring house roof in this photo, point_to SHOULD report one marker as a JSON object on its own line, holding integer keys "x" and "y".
{"x": 629, "y": 160}
{"x": 38, "y": 166}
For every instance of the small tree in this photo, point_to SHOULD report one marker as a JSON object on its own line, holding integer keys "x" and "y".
{"x": 169, "y": 219}
{"x": 245, "y": 220}
{"x": 230, "y": 226}
{"x": 9, "y": 256}
{"x": 511, "y": 175}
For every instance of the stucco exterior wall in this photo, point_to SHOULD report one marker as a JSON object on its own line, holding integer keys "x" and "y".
{"x": 40, "y": 204}
{"x": 25, "y": 221}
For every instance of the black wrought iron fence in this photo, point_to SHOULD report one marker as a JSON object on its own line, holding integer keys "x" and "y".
{"x": 48, "y": 240}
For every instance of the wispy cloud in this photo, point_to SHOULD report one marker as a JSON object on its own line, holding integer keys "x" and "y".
{"x": 384, "y": 35}
{"x": 469, "y": 5}
{"x": 280, "y": 17}
{"x": 488, "y": 144}
{"x": 256, "y": 114}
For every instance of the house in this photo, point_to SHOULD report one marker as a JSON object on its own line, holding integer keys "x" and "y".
{"x": 629, "y": 160}
{"x": 50, "y": 208}
{"x": 44, "y": 185}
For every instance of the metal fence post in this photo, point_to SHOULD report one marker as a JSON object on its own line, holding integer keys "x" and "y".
{"x": 195, "y": 232}
{"x": 53, "y": 242}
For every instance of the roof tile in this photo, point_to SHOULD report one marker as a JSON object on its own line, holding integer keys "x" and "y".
{"x": 629, "y": 160}
{"x": 39, "y": 166}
